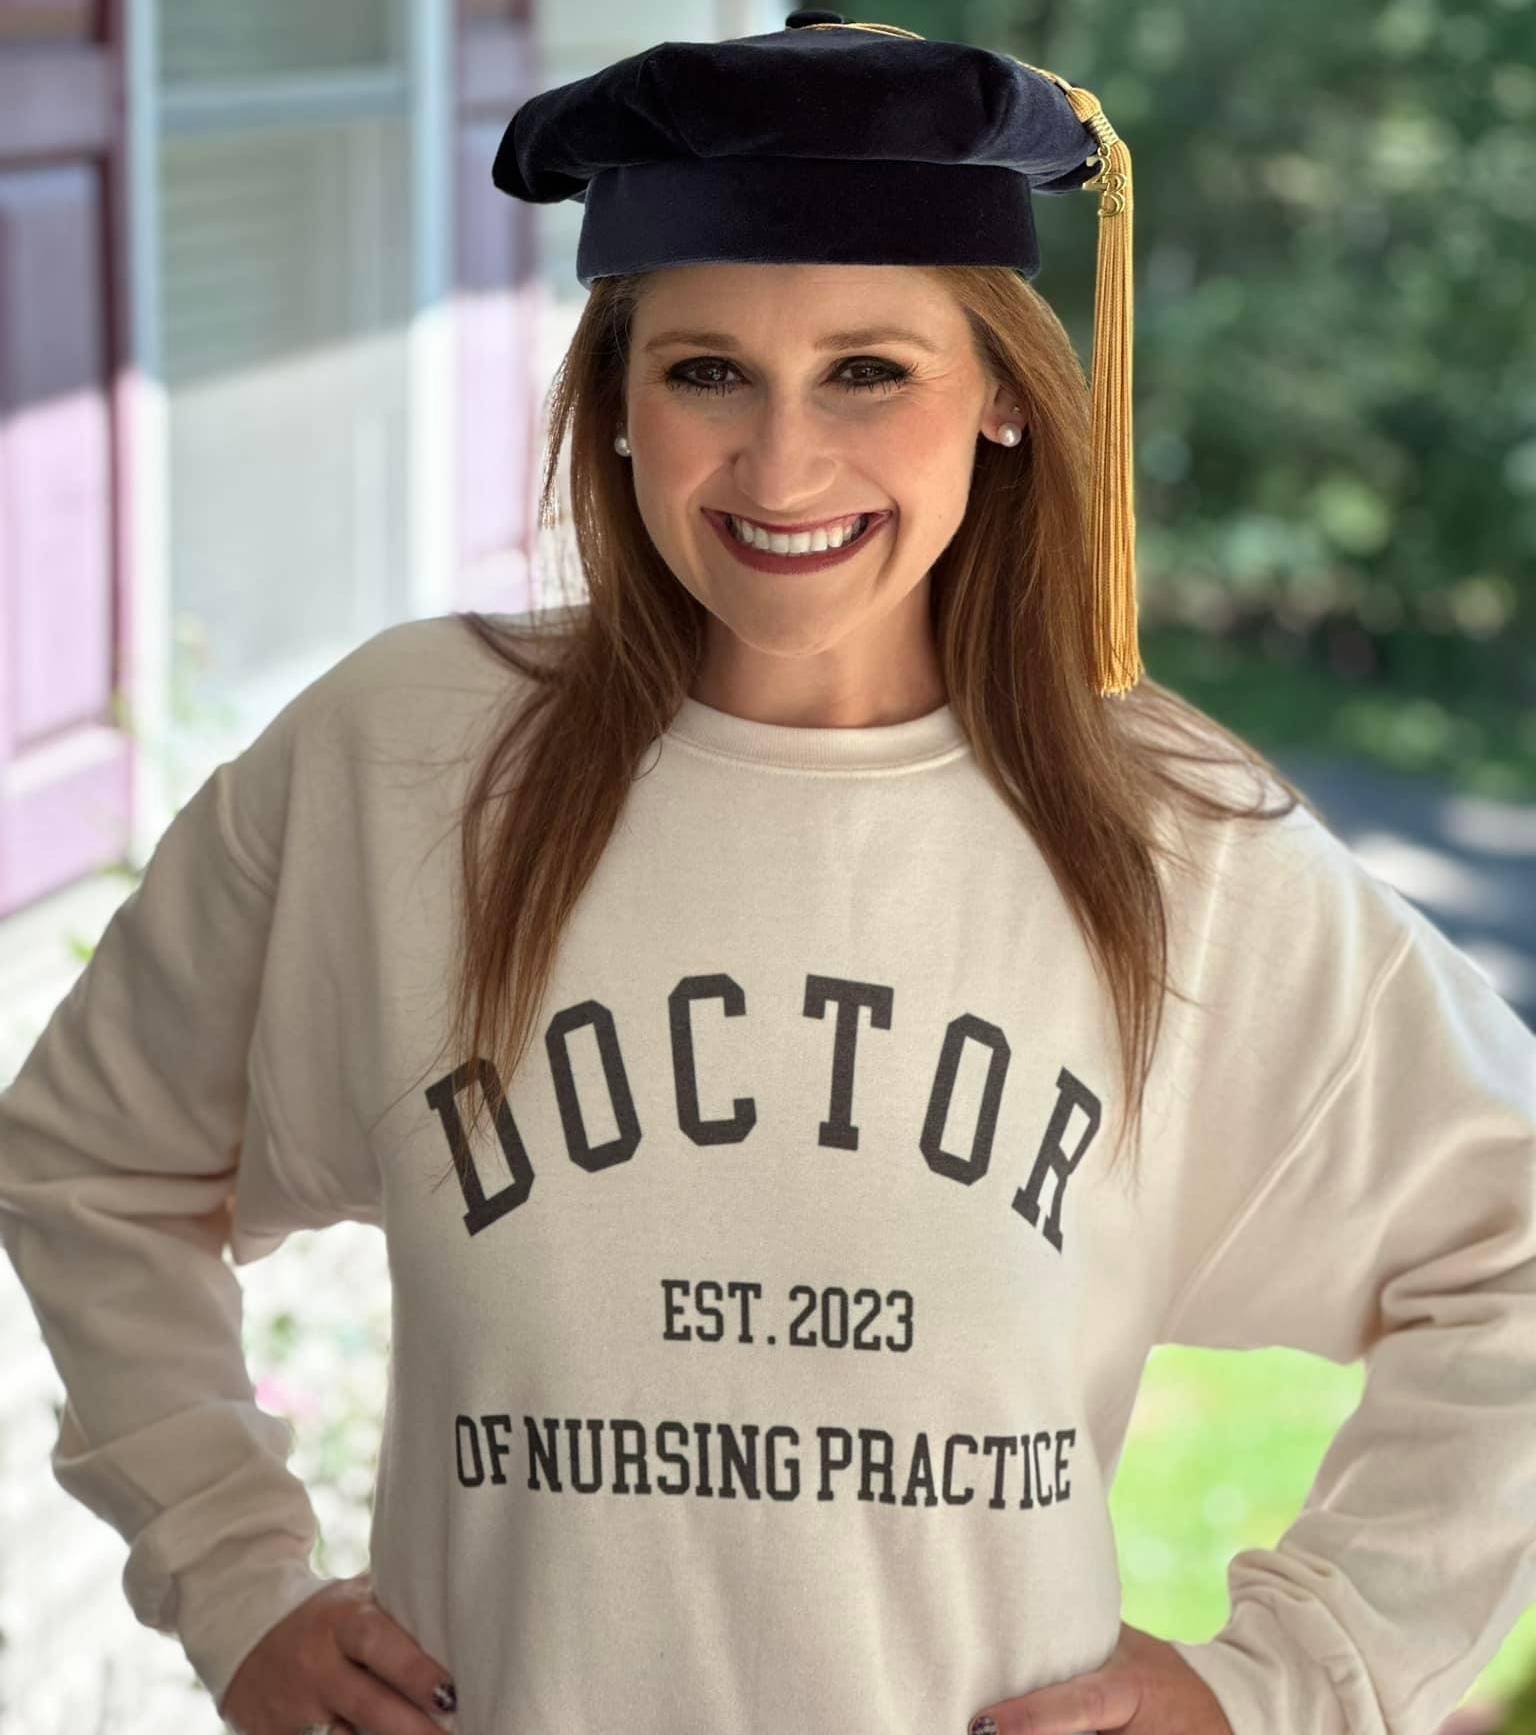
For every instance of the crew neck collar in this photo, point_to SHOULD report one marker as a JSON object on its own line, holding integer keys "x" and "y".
{"x": 932, "y": 738}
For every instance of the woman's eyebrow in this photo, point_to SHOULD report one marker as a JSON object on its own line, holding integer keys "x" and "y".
{"x": 830, "y": 340}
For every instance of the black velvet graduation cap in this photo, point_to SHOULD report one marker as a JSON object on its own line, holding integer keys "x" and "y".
{"x": 847, "y": 143}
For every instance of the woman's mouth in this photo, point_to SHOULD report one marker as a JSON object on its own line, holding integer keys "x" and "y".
{"x": 763, "y": 560}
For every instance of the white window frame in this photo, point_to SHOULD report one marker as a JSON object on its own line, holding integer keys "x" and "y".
{"x": 419, "y": 89}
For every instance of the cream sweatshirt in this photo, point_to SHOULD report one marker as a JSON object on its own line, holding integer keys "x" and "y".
{"x": 767, "y": 1367}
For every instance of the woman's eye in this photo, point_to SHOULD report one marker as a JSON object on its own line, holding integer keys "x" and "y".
{"x": 889, "y": 377}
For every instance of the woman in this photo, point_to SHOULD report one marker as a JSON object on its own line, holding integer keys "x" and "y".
{"x": 931, "y": 1022}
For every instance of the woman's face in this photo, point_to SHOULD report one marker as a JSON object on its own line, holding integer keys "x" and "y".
{"x": 785, "y": 405}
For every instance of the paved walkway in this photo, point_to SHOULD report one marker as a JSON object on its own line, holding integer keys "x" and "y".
{"x": 1467, "y": 862}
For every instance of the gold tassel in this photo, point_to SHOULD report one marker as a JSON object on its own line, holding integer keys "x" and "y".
{"x": 1117, "y": 656}
{"x": 1119, "y": 665}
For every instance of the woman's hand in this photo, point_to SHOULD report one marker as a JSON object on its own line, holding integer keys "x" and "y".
{"x": 1146, "y": 1688}
{"x": 337, "y": 1658}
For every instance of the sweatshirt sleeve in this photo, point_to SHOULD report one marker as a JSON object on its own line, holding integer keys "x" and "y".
{"x": 123, "y": 1139}
{"x": 1398, "y": 1225}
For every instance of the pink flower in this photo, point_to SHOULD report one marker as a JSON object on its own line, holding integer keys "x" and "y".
{"x": 281, "y": 1399}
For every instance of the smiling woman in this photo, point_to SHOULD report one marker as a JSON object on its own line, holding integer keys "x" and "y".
{"x": 795, "y": 430}
{"x": 766, "y": 1344}
{"x": 814, "y": 364}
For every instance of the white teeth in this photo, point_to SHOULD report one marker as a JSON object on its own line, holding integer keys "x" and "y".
{"x": 801, "y": 542}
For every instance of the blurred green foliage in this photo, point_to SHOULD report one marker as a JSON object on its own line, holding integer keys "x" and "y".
{"x": 1268, "y": 689}
{"x": 1520, "y": 1710}
{"x": 1335, "y": 355}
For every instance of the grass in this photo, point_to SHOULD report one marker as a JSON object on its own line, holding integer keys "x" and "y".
{"x": 1478, "y": 740}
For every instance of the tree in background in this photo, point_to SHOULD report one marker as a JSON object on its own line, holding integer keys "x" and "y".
{"x": 1335, "y": 258}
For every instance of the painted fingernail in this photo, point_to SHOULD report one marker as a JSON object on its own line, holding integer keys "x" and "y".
{"x": 983, "y": 1725}
{"x": 444, "y": 1696}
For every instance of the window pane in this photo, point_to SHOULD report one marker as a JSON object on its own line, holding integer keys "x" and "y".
{"x": 236, "y": 39}
{"x": 286, "y": 270}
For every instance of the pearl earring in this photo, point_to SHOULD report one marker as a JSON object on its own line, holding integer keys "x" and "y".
{"x": 621, "y": 445}
{"x": 1010, "y": 433}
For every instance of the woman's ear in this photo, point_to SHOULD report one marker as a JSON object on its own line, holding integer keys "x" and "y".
{"x": 1006, "y": 409}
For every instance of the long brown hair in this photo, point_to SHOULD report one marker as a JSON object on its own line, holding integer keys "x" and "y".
{"x": 1086, "y": 774}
